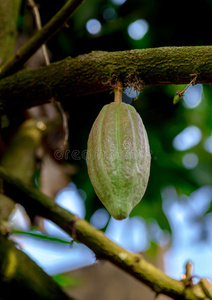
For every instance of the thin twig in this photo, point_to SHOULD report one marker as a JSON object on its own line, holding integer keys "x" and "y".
{"x": 180, "y": 94}
{"x": 65, "y": 123}
{"x": 47, "y": 62}
{"x": 36, "y": 13}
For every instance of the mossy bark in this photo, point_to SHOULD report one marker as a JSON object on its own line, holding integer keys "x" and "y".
{"x": 104, "y": 248}
{"x": 99, "y": 71}
{"x": 9, "y": 10}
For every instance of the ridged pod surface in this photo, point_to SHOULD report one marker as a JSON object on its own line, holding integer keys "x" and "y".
{"x": 118, "y": 158}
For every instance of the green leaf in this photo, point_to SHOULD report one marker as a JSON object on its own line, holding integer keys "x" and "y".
{"x": 67, "y": 281}
{"x": 40, "y": 236}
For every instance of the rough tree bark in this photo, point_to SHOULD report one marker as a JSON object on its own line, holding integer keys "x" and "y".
{"x": 98, "y": 72}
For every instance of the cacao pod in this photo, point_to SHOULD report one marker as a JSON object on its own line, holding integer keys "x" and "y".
{"x": 118, "y": 158}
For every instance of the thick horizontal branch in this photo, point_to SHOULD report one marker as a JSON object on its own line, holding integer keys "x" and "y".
{"x": 104, "y": 248}
{"x": 97, "y": 71}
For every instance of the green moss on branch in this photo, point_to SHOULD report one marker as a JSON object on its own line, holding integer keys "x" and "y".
{"x": 98, "y": 71}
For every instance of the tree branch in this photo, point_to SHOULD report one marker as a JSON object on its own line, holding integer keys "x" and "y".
{"x": 9, "y": 11}
{"x": 17, "y": 271}
{"x": 99, "y": 70}
{"x": 104, "y": 248}
{"x": 16, "y": 160}
{"x": 23, "y": 54}
{"x": 21, "y": 274}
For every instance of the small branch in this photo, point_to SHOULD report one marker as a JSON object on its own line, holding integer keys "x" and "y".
{"x": 104, "y": 248}
{"x": 180, "y": 94}
{"x": 21, "y": 274}
{"x": 187, "y": 278}
{"x": 19, "y": 162}
{"x": 9, "y": 11}
{"x": 23, "y": 54}
{"x": 206, "y": 287}
{"x": 94, "y": 72}
{"x": 39, "y": 27}
{"x": 47, "y": 61}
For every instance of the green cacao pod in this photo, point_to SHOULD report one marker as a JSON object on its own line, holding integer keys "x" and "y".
{"x": 118, "y": 158}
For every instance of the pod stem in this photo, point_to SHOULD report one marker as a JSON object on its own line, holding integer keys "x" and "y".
{"x": 118, "y": 92}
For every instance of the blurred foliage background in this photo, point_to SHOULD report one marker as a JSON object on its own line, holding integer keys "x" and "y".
{"x": 169, "y": 25}
{"x": 165, "y": 23}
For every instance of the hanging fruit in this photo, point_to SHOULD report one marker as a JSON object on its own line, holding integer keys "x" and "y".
{"x": 118, "y": 157}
